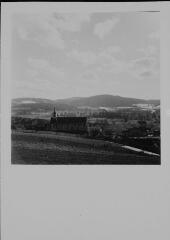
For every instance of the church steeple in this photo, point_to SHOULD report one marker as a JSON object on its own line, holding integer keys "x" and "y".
{"x": 54, "y": 113}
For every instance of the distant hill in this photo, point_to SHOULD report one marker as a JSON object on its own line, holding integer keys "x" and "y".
{"x": 38, "y": 107}
{"x": 106, "y": 101}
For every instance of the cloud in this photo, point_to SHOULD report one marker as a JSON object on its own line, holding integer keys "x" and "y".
{"x": 146, "y": 73}
{"x": 150, "y": 51}
{"x": 104, "y": 64}
{"x": 70, "y": 21}
{"x": 145, "y": 67}
{"x": 111, "y": 58}
{"x": 84, "y": 57}
{"x": 47, "y": 29}
{"x": 110, "y": 62}
{"x": 43, "y": 70}
{"x": 112, "y": 50}
{"x": 143, "y": 62}
{"x": 104, "y": 28}
{"x": 42, "y": 79}
{"x": 107, "y": 60}
{"x": 148, "y": 65}
{"x": 98, "y": 66}
{"x": 39, "y": 29}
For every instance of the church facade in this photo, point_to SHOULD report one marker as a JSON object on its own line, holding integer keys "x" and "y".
{"x": 68, "y": 124}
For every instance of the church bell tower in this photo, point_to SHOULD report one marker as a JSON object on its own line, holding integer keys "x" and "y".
{"x": 53, "y": 120}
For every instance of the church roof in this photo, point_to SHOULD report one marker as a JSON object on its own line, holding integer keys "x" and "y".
{"x": 71, "y": 120}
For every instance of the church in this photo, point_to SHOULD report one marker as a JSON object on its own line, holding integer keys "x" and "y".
{"x": 68, "y": 124}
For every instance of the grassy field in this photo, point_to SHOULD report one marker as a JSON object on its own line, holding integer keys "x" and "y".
{"x": 57, "y": 148}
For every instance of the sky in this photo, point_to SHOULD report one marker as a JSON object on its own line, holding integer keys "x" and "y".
{"x": 62, "y": 55}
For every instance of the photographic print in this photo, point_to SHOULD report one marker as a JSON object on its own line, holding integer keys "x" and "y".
{"x": 85, "y": 88}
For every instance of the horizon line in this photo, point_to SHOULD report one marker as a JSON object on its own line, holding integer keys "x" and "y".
{"x": 86, "y": 97}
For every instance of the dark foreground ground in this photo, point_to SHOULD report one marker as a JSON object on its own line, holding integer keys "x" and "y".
{"x": 57, "y": 148}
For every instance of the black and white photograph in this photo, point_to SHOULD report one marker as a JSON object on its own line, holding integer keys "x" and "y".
{"x": 85, "y": 88}
{"x": 85, "y": 120}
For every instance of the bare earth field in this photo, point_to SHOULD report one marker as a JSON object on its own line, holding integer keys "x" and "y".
{"x": 57, "y": 148}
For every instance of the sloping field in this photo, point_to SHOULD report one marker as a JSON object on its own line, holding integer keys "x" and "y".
{"x": 47, "y": 148}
